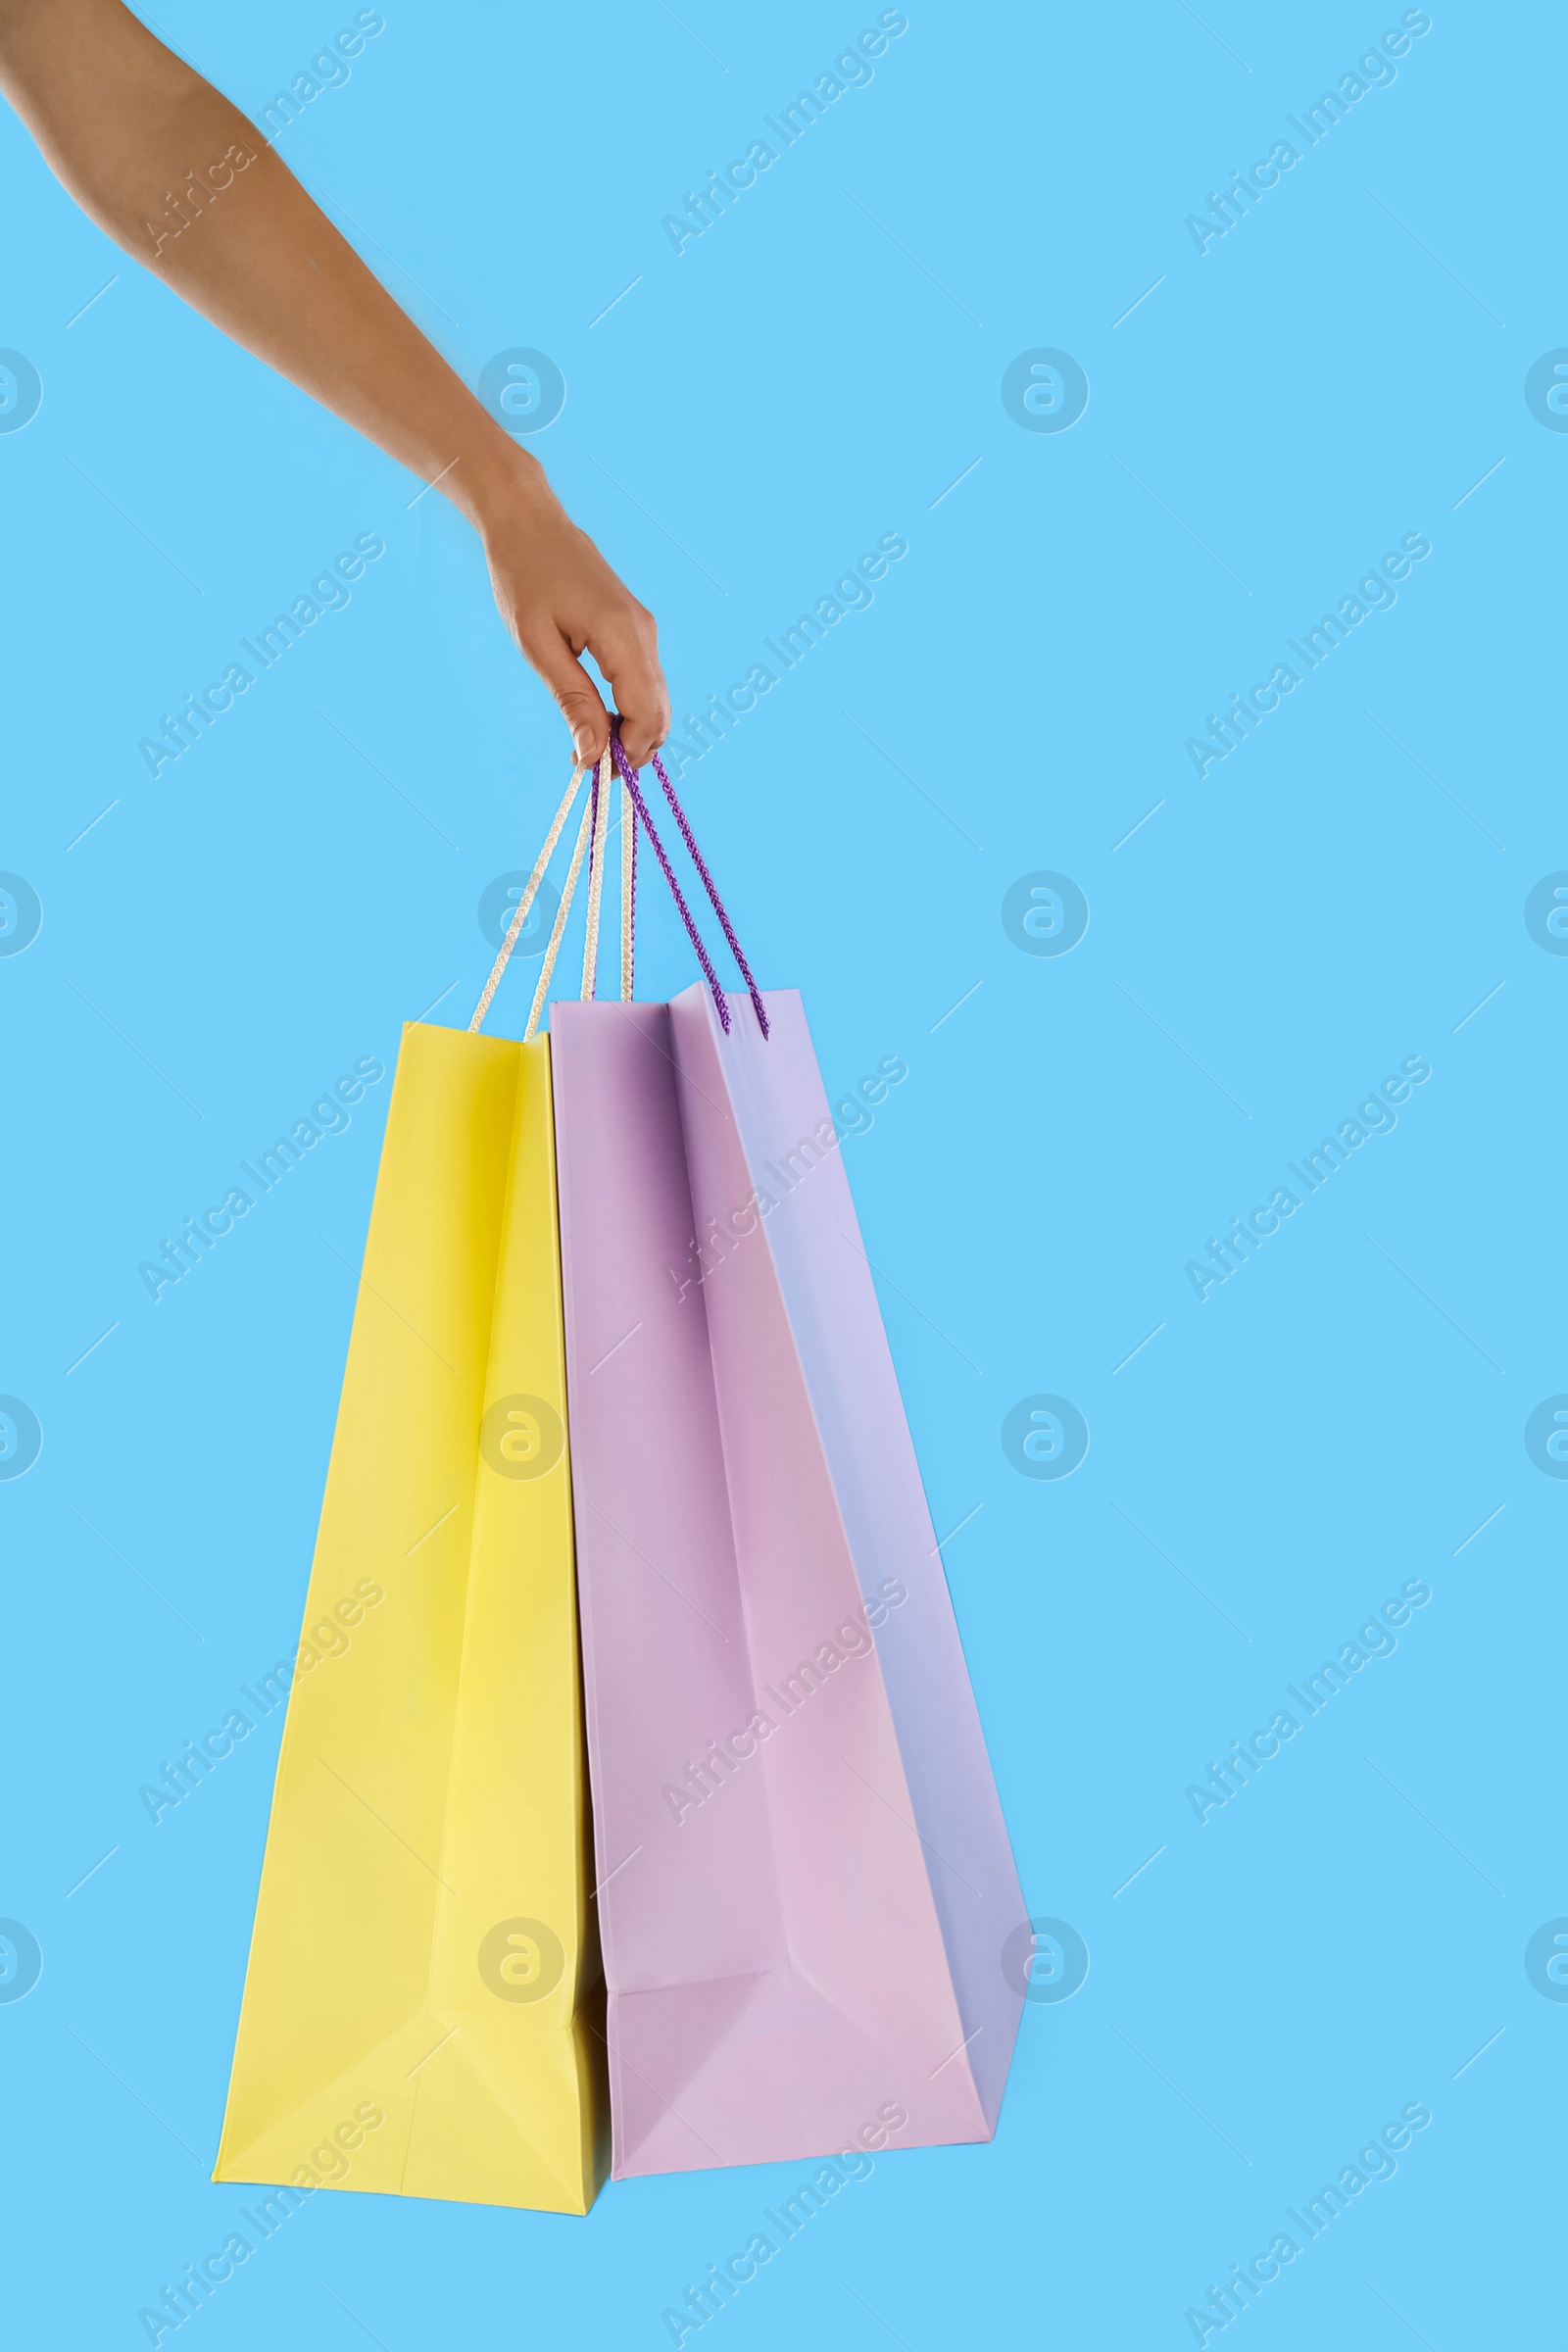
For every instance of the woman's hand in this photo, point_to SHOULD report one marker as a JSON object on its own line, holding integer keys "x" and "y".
{"x": 559, "y": 597}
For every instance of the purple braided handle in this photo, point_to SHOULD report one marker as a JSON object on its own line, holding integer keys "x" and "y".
{"x": 628, "y": 776}
{"x": 701, "y": 864}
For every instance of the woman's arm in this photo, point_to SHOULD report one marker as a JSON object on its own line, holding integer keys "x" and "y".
{"x": 175, "y": 175}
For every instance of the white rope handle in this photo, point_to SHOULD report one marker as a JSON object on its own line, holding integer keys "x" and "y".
{"x": 559, "y": 925}
{"x": 629, "y": 892}
{"x": 520, "y": 916}
{"x": 595, "y": 824}
{"x": 599, "y": 804}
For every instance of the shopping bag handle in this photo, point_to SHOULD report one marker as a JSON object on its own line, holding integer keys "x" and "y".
{"x": 591, "y": 836}
{"x": 592, "y": 833}
{"x": 628, "y": 777}
{"x": 530, "y": 891}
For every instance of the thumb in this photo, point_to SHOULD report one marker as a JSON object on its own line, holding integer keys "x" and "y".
{"x": 576, "y": 694}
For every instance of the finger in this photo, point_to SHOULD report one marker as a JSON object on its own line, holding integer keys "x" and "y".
{"x": 629, "y": 659}
{"x": 574, "y": 691}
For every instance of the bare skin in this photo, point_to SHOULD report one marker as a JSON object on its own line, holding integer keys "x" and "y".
{"x": 144, "y": 145}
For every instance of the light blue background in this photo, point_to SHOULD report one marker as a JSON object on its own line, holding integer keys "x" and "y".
{"x": 1337, "y": 895}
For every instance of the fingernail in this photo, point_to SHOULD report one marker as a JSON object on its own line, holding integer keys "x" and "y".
{"x": 581, "y": 742}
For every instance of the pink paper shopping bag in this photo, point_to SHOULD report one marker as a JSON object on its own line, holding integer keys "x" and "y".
{"x": 805, "y": 1884}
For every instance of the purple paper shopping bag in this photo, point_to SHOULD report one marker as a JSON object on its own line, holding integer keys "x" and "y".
{"x": 805, "y": 1884}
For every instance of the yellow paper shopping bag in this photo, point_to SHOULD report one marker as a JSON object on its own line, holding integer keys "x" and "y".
{"x": 420, "y": 2008}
